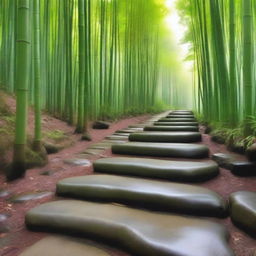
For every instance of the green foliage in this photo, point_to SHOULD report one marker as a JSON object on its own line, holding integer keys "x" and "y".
{"x": 4, "y": 110}
{"x": 122, "y": 62}
{"x": 56, "y": 135}
{"x": 221, "y": 34}
{"x": 34, "y": 159}
{"x": 233, "y": 138}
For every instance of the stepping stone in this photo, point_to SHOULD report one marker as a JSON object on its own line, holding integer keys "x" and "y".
{"x": 78, "y": 161}
{"x": 92, "y": 151}
{"x": 223, "y": 160}
{"x": 121, "y": 134}
{"x": 4, "y": 193}
{"x": 237, "y": 167}
{"x": 243, "y": 168}
{"x": 153, "y": 168}
{"x": 157, "y": 195}
{"x": 129, "y": 130}
{"x": 63, "y": 246}
{"x": 139, "y": 125}
{"x": 47, "y": 173}
{"x": 243, "y": 210}
{"x": 29, "y": 196}
{"x": 101, "y": 145}
{"x": 166, "y": 119}
{"x": 180, "y": 116}
{"x": 113, "y": 141}
{"x": 178, "y": 112}
{"x": 162, "y": 149}
{"x": 171, "y": 128}
{"x": 140, "y": 232}
{"x": 3, "y": 217}
{"x": 100, "y": 125}
{"x": 161, "y": 123}
{"x": 116, "y": 137}
{"x": 183, "y": 137}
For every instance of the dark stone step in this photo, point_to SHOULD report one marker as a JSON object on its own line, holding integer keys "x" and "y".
{"x": 243, "y": 210}
{"x": 162, "y": 149}
{"x": 140, "y": 232}
{"x": 179, "y": 137}
{"x": 237, "y": 167}
{"x": 180, "y": 116}
{"x": 130, "y": 130}
{"x": 186, "y": 171}
{"x": 161, "y": 123}
{"x": 24, "y": 197}
{"x": 156, "y": 195}
{"x": 100, "y": 125}
{"x": 167, "y": 119}
{"x": 171, "y": 128}
{"x": 78, "y": 161}
{"x": 63, "y": 246}
{"x": 178, "y": 112}
{"x": 116, "y": 137}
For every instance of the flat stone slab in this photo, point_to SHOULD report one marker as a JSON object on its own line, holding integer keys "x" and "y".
{"x": 100, "y": 125}
{"x": 171, "y": 128}
{"x": 139, "y": 125}
{"x": 243, "y": 168}
{"x": 131, "y": 130}
{"x": 157, "y": 195}
{"x": 121, "y": 134}
{"x": 162, "y": 149}
{"x": 101, "y": 145}
{"x": 63, "y": 246}
{"x": 243, "y": 210}
{"x": 151, "y": 136}
{"x": 140, "y": 232}
{"x": 116, "y": 137}
{"x": 3, "y": 217}
{"x": 29, "y": 196}
{"x": 113, "y": 141}
{"x": 4, "y": 193}
{"x": 178, "y": 112}
{"x": 237, "y": 167}
{"x": 180, "y": 116}
{"x": 163, "y": 123}
{"x": 223, "y": 160}
{"x": 186, "y": 171}
{"x": 78, "y": 161}
{"x": 167, "y": 119}
{"x": 47, "y": 172}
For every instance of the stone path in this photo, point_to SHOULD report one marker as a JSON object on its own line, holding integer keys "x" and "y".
{"x": 153, "y": 217}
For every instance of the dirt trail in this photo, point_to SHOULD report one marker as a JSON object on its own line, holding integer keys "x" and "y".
{"x": 19, "y": 237}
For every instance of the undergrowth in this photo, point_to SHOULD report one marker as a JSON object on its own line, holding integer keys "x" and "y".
{"x": 110, "y": 115}
{"x": 56, "y": 135}
{"x": 7, "y": 125}
{"x": 234, "y": 138}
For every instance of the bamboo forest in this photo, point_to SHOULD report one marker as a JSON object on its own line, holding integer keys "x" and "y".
{"x": 128, "y": 127}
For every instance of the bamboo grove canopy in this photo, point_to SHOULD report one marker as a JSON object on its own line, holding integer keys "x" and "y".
{"x": 101, "y": 59}
{"x": 222, "y": 34}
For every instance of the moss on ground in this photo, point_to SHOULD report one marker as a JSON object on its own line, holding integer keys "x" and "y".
{"x": 233, "y": 138}
{"x": 34, "y": 159}
{"x": 7, "y": 127}
{"x": 55, "y": 136}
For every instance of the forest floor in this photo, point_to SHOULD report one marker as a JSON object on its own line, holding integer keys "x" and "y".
{"x": 15, "y": 237}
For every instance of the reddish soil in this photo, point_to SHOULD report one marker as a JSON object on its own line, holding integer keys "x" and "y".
{"x": 19, "y": 237}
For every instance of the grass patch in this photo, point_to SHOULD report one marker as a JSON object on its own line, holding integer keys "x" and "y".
{"x": 56, "y": 135}
{"x": 234, "y": 138}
